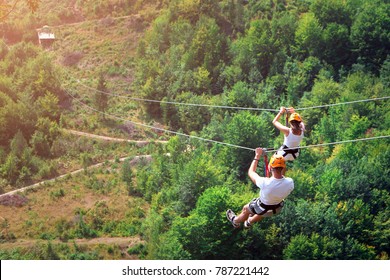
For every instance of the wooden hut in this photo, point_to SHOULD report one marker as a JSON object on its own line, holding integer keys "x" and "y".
{"x": 45, "y": 36}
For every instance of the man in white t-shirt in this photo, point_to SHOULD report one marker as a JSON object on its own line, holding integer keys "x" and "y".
{"x": 273, "y": 191}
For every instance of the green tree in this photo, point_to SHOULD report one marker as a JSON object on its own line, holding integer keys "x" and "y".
{"x": 314, "y": 247}
{"x": 194, "y": 178}
{"x": 40, "y": 144}
{"x": 86, "y": 160}
{"x": 170, "y": 248}
{"x": 356, "y": 219}
{"x": 18, "y": 56}
{"x": 325, "y": 91}
{"x": 241, "y": 95}
{"x": 101, "y": 95}
{"x": 18, "y": 144}
{"x": 300, "y": 77}
{"x": 332, "y": 11}
{"x": 385, "y": 72}
{"x": 208, "y": 49}
{"x": 255, "y": 52}
{"x": 127, "y": 176}
{"x": 380, "y": 234}
{"x": 335, "y": 17}
{"x": 248, "y": 130}
{"x": 152, "y": 229}
{"x": 6, "y": 89}
{"x": 192, "y": 118}
{"x": 39, "y": 76}
{"x": 308, "y": 36}
{"x": 10, "y": 168}
{"x": 152, "y": 178}
{"x": 234, "y": 12}
{"x": 14, "y": 116}
{"x": 354, "y": 250}
{"x": 84, "y": 230}
{"x": 46, "y": 133}
{"x": 370, "y": 35}
{"x": 203, "y": 234}
{"x": 48, "y": 106}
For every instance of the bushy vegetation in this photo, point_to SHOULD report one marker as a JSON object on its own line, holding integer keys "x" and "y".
{"x": 50, "y": 251}
{"x": 263, "y": 54}
{"x": 268, "y": 54}
{"x": 30, "y": 97}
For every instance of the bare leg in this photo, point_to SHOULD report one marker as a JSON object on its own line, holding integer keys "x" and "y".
{"x": 255, "y": 218}
{"x": 243, "y": 215}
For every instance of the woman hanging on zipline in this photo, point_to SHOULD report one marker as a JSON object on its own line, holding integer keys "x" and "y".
{"x": 292, "y": 136}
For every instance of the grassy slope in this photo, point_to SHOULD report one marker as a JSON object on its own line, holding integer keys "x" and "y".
{"x": 106, "y": 45}
{"x": 104, "y": 33}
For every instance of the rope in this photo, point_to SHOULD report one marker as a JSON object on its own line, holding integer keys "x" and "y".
{"x": 179, "y": 103}
{"x": 224, "y": 143}
{"x": 230, "y": 107}
{"x": 161, "y": 129}
{"x": 334, "y": 143}
{"x": 343, "y": 103}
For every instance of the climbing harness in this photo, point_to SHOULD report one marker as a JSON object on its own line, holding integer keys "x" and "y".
{"x": 259, "y": 208}
{"x": 292, "y": 151}
{"x": 266, "y": 168}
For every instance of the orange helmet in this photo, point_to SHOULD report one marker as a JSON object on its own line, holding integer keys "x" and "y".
{"x": 295, "y": 117}
{"x": 277, "y": 161}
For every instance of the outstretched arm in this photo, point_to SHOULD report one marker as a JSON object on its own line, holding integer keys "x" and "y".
{"x": 278, "y": 125}
{"x": 252, "y": 169}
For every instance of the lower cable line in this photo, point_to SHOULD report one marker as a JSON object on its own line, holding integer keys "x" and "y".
{"x": 334, "y": 143}
{"x": 219, "y": 142}
{"x": 160, "y": 129}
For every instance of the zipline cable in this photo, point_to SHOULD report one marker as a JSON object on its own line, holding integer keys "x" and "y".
{"x": 224, "y": 143}
{"x": 343, "y": 103}
{"x": 333, "y": 143}
{"x": 230, "y": 107}
{"x": 178, "y": 103}
{"x": 157, "y": 128}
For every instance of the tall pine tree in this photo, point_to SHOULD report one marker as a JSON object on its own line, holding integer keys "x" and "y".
{"x": 101, "y": 97}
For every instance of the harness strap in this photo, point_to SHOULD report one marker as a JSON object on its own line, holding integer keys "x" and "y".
{"x": 287, "y": 150}
{"x": 266, "y": 169}
{"x": 270, "y": 207}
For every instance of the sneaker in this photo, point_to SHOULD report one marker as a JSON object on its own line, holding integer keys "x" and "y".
{"x": 230, "y": 216}
{"x": 247, "y": 224}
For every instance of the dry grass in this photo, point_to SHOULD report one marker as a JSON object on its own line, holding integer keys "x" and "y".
{"x": 96, "y": 45}
{"x": 44, "y": 209}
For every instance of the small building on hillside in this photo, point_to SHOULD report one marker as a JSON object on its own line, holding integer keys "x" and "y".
{"x": 45, "y": 36}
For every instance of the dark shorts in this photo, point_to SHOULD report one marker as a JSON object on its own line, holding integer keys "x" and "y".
{"x": 256, "y": 207}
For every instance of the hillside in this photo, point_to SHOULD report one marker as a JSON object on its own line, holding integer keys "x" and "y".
{"x": 62, "y": 211}
{"x": 214, "y": 74}
{"x": 101, "y": 43}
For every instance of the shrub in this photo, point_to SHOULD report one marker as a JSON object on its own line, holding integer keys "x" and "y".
{"x": 71, "y": 59}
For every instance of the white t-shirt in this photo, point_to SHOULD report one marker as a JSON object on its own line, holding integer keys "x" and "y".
{"x": 292, "y": 140}
{"x": 273, "y": 191}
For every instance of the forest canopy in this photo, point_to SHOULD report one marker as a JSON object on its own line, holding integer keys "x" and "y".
{"x": 237, "y": 53}
{"x": 268, "y": 54}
